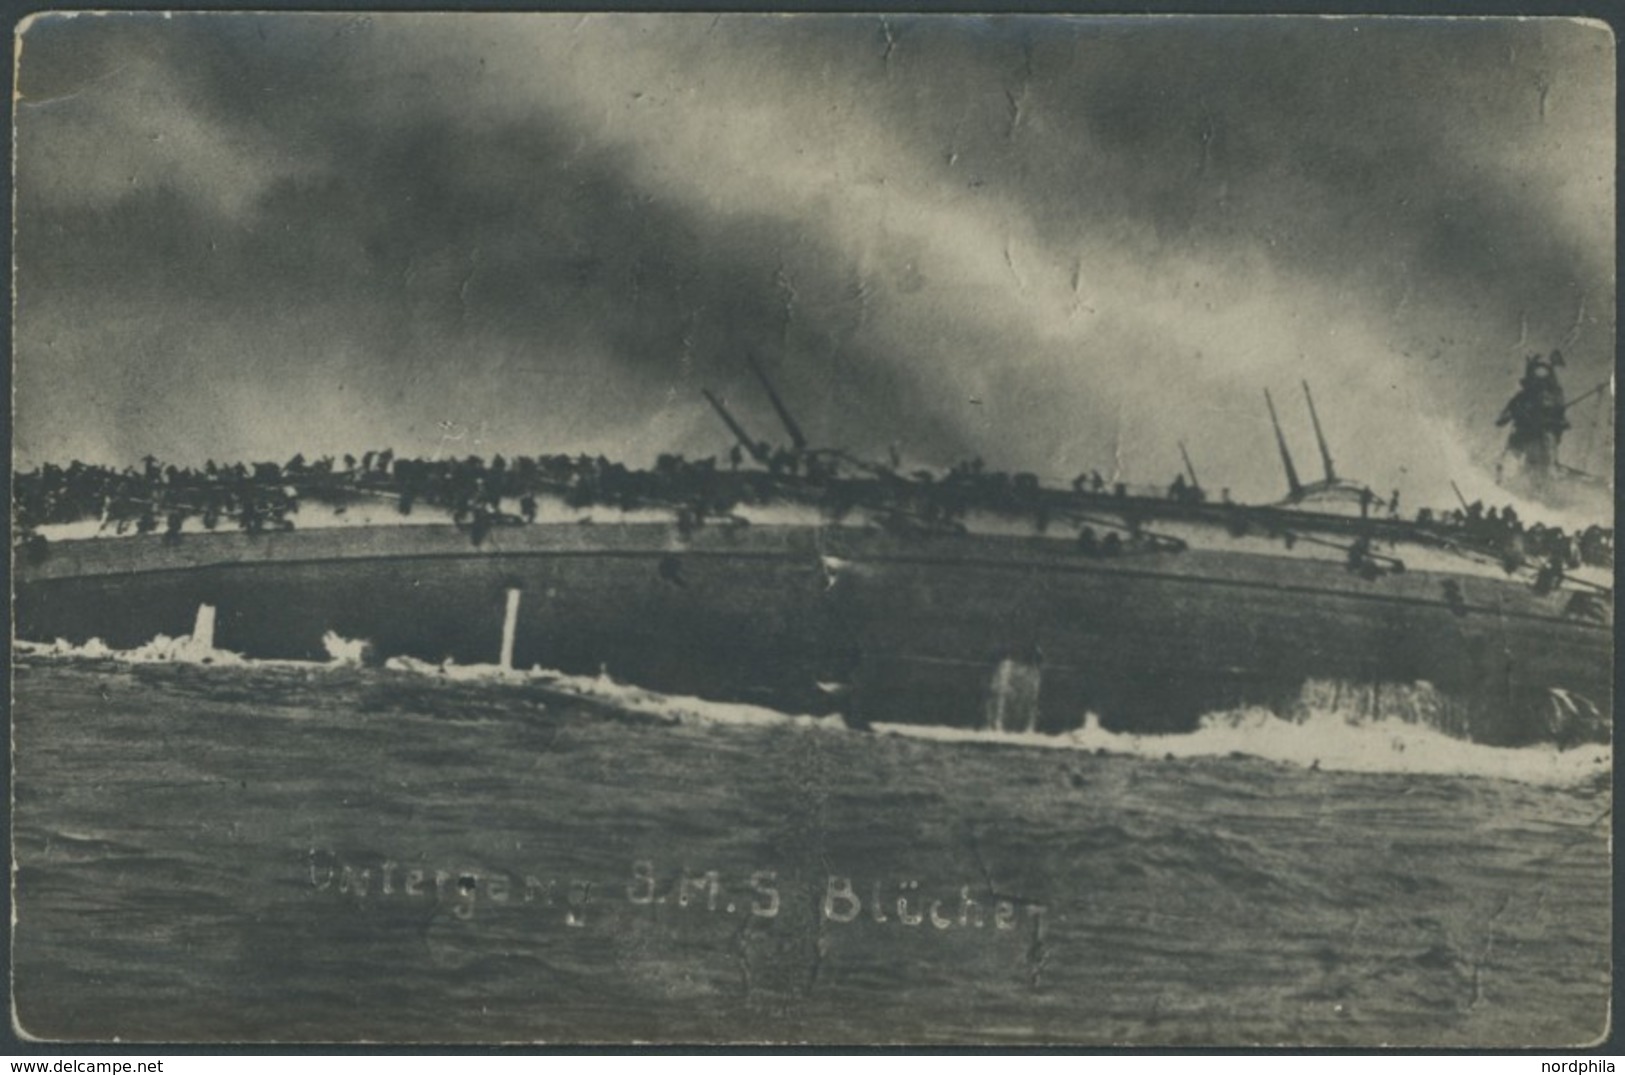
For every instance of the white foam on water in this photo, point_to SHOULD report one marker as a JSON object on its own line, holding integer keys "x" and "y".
{"x": 678, "y": 708}
{"x": 1345, "y": 737}
{"x": 161, "y": 650}
{"x": 685, "y": 709}
{"x": 345, "y": 652}
{"x": 1320, "y": 739}
{"x": 195, "y": 648}
{"x": 187, "y": 649}
{"x": 95, "y": 649}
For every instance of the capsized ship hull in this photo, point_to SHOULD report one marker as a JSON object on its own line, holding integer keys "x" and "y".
{"x": 914, "y": 628}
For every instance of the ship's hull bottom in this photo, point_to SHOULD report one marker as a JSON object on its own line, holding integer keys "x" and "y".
{"x": 971, "y": 644}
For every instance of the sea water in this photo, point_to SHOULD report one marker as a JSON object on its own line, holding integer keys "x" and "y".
{"x": 211, "y": 848}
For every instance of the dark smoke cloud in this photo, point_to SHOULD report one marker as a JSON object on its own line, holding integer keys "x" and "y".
{"x": 1058, "y": 243}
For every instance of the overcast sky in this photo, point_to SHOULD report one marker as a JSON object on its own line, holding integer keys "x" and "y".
{"x": 1058, "y": 243}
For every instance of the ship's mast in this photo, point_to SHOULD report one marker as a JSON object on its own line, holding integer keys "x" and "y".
{"x": 790, "y": 427}
{"x": 1189, "y": 469}
{"x": 1320, "y": 437}
{"x": 1294, "y": 486}
{"x": 755, "y": 449}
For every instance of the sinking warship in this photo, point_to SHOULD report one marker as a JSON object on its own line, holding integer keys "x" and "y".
{"x": 813, "y": 580}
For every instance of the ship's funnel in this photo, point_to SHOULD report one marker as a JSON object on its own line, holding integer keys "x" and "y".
{"x": 1320, "y": 438}
{"x": 1294, "y": 486}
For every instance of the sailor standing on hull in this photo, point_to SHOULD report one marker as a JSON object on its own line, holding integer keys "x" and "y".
{"x": 1536, "y": 414}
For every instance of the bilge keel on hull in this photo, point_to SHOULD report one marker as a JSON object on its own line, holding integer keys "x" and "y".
{"x": 905, "y": 628}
